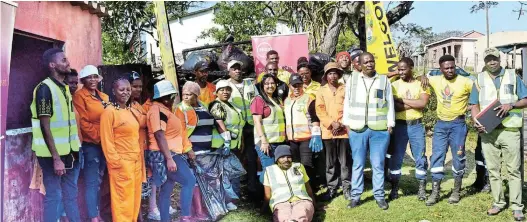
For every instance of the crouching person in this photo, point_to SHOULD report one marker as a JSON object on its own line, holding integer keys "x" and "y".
{"x": 287, "y": 189}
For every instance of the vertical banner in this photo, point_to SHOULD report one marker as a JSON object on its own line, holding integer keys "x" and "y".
{"x": 379, "y": 38}
{"x": 7, "y": 14}
{"x": 165, "y": 46}
{"x": 290, "y": 47}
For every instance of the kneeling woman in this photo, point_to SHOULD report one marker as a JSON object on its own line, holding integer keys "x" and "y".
{"x": 120, "y": 144}
{"x": 169, "y": 150}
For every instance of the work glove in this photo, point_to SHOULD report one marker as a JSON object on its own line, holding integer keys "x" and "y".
{"x": 315, "y": 144}
{"x": 227, "y": 139}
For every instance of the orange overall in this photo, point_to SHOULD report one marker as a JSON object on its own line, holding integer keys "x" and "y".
{"x": 120, "y": 143}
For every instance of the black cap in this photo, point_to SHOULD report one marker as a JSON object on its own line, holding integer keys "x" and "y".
{"x": 295, "y": 79}
{"x": 201, "y": 65}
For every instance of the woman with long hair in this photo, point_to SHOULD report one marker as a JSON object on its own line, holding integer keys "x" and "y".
{"x": 269, "y": 121}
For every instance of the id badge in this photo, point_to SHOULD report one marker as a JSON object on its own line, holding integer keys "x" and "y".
{"x": 509, "y": 88}
{"x": 379, "y": 94}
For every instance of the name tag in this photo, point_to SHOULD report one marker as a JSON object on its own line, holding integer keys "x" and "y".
{"x": 509, "y": 88}
{"x": 379, "y": 94}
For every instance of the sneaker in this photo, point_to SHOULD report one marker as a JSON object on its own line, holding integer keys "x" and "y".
{"x": 231, "y": 207}
{"x": 172, "y": 211}
{"x": 154, "y": 215}
{"x": 518, "y": 215}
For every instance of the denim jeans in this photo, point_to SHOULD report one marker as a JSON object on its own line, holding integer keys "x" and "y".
{"x": 93, "y": 169}
{"x": 448, "y": 133}
{"x": 377, "y": 142}
{"x": 60, "y": 189}
{"x": 184, "y": 176}
{"x": 266, "y": 160}
{"x": 402, "y": 134}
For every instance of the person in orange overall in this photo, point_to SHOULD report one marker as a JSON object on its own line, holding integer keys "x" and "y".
{"x": 90, "y": 104}
{"x": 120, "y": 144}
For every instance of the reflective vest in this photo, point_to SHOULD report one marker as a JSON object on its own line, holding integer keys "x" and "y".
{"x": 285, "y": 185}
{"x": 241, "y": 100}
{"x": 273, "y": 126}
{"x": 191, "y": 119}
{"x": 368, "y": 105}
{"x": 506, "y": 95}
{"x": 234, "y": 124}
{"x": 297, "y": 118}
{"x": 63, "y": 125}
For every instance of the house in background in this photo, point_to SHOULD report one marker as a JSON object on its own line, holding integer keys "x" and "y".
{"x": 186, "y": 30}
{"x": 469, "y": 48}
{"x": 461, "y": 47}
{"x": 40, "y": 25}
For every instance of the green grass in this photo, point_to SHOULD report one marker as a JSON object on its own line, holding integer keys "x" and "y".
{"x": 472, "y": 207}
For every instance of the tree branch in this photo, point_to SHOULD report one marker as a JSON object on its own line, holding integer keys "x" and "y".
{"x": 397, "y": 13}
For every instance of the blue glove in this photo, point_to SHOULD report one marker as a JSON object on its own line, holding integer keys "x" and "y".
{"x": 315, "y": 144}
{"x": 226, "y": 149}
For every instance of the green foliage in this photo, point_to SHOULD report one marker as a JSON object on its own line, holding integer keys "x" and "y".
{"x": 347, "y": 40}
{"x": 241, "y": 19}
{"x": 113, "y": 52}
{"x": 429, "y": 113}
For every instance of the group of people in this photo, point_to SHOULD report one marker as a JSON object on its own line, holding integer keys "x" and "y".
{"x": 293, "y": 135}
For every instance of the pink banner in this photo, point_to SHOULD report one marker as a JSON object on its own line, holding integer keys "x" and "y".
{"x": 289, "y": 47}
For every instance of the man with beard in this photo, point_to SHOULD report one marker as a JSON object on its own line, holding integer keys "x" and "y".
{"x": 287, "y": 188}
{"x": 55, "y": 138}
{"x": 369, "y": 116}
{"x": 282, "y": 75}
{"x": 201, "y": 70}
{"x": 503, "y": 142}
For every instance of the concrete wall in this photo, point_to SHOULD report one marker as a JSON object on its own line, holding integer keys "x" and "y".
{"x": 497, "y": 39}
{"x": 467, "y": 58}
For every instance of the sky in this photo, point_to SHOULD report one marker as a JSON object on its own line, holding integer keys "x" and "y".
{"x": 455, "y": 15}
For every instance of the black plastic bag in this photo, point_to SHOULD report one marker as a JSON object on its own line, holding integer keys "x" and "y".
{"x": 197, "y": 56}
{"x": 230, "y": 52}
{"x": 317, "y": 62}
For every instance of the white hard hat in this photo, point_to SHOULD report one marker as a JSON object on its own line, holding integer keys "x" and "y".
{"x": 88, "y": 71}
{"x": 163, "y": 88}
{"x": 233, "y": 62}
{"x": 222, "y": 84}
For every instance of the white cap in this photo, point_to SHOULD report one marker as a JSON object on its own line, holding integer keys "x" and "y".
{"x": 222, "y": 84}
{"x": 88, "y": 71}
{"x": 232, "y": 62}
{"x": 163, "y": 88}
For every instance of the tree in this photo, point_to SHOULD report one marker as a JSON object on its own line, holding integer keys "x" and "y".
{"x": 128, "y": 20}
{"x": 481, "y": 5}
{"x": 241, "y": 19}
{"x": 412, "y": 38}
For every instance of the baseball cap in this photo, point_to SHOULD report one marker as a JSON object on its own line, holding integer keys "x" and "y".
{"x": 222, "y": 84}
{"x": 201, "y": 65}
{"x": 88, "y": 71}
{"x": 295, "y": 79}
{"x": 163, "y": 88}
{"x": 492, "y": 52}
{"x": 233, "y": 62}
{"x": 354, "y": 53}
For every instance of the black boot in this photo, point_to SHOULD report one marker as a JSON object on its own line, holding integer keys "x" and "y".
{"x": 394, "y": 194}
{"x": 421, "y": 194}
{"x": 346, "y": 190}
{"x": 479, "y": 183}
{"x": 434, "y": 197}
{"x": 486, "y": 187}
{"x": 456, "y": 195}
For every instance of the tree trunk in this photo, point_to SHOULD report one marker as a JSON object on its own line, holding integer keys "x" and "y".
{"x": 329, "y": 44}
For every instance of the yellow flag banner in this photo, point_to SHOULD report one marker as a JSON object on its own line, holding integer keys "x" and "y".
{"x": 165, "y": 46}
{"x": 379, "y": 38}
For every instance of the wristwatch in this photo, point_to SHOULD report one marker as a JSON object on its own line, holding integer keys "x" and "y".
{"x": 512, "y": 105}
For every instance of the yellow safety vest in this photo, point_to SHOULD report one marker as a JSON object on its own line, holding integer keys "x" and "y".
{"x": 241, "y": 100}
{"x": 297, "y": 118}
{"x": 506, "y": 95}
{"x": 63, "y": 125}
{"x": 234, "y": 124}
{"x": 285, "y": 185}
{"x": 273, "y": 126}
{"x": 368, "y": 107}
{"x": 191, "y": 118}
